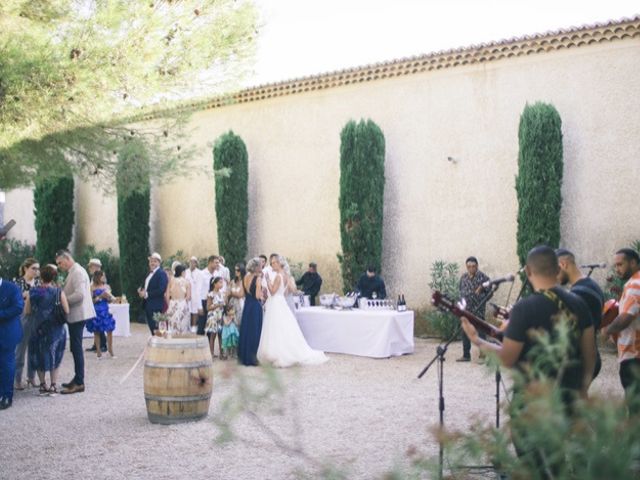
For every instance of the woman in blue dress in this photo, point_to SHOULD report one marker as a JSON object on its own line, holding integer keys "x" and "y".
{"x": 48, "y": 338}
{"x": 104, "y": 322}
{"x": 251, "y": 325}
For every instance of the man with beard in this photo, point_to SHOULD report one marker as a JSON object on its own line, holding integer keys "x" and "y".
{"x": 627, "y": 323}
{"x": 584, "y": 287}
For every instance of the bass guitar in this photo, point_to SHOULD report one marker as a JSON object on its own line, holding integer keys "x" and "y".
{"x": 446, "y": 304}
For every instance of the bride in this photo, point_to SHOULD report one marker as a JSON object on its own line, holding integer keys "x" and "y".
{"x": 281, "y": 342}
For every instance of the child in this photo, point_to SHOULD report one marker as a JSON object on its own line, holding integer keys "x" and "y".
{"x": 215, "y": 305}
{"x": 104, "y": 321}
{"x": 230, "y": 334}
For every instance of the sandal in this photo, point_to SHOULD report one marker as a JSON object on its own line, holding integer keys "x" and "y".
{"x": 43, "y": 389}
{"x": 53, "y": 389}
{"x": 31, "y": 383}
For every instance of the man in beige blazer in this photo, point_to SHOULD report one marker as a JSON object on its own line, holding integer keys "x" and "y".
{"x": 77, "y": 289}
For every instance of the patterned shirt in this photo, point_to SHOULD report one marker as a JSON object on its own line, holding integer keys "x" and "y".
{"x": 629, "y": 340}
{"x": 468, "y": 287}
{"x": 24, "y": 285}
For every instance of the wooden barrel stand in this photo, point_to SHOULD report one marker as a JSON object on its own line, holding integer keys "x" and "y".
{"x": 178, "y": 374}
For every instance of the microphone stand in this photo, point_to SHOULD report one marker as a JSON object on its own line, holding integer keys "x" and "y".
{"x": 441, "y": 350}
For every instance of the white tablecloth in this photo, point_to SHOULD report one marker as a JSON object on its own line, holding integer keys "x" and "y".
{"x": 368, "y": 333}
{"x": 120, "y": 314}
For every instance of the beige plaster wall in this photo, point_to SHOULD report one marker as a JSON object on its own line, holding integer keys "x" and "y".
{"x": 434, "y": 208}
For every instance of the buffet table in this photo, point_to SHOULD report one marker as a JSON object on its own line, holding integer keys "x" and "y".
{"x": 367, "y": 333}
{"x": 120, "y": 312}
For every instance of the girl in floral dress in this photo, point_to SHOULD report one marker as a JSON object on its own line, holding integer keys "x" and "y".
{"x": 215, "y": 306}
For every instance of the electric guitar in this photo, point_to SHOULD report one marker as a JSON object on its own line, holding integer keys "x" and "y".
{"x": 444, "y": 303}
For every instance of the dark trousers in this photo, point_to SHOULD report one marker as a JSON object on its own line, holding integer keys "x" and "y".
{"x": 75, "y": 342}
{"x": 630, "y": 379}
{"x": 153, "y": 325}
{"x": 312, "y": 300}
{"x": 202, "y": 319}
{"x": 466, "y": 344}
{"x": 7, "y": 370}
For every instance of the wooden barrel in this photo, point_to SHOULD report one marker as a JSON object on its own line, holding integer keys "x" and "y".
{"x": 178, "y": 374}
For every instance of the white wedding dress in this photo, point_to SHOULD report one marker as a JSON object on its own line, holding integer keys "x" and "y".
{"x": 281, "y": 341}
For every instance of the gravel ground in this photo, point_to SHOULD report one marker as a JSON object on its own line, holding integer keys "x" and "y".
{"x": 359, "y": 414}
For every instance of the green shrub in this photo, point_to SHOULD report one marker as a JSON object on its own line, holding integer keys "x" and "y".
{"x": 110, "y": 265}
{"x": 444, "y": 278}
{"x": 12, "y": 254}
{"x": 134, "y": 199}
{"x": 539, "y": 180}
{"x": 54, "y": 216}
{"x": 230, "y": 162}
{"x": 362, "y": 150}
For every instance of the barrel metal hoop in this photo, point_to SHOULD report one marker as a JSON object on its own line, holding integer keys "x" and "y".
{"x": 192, "y": 345}
{"x": 164, "y": 398}
{"x": 178, "y": 365}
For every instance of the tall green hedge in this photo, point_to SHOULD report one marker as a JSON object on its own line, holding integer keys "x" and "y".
{"x": 134, "y": 201}
{"x": 54, "y": 215}
{"x": 232, "y": 202}
{"x": 362, "y": 148}
{"x": 539, "y": 180}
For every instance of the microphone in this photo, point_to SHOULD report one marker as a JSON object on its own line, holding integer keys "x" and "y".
{"x": 499, "y": 280}
{"x": 594, "y": 265}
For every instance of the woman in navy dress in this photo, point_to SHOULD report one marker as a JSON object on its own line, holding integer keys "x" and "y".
{"x": 251, "y": 325}
{"x": 46, "y": 345}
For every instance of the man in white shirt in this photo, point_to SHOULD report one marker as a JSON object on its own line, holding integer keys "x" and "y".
{"x": 224, "y": 269}
{"x": 193, "y": 276}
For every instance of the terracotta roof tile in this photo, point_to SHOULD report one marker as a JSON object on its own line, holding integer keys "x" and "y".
{"x": 573, "y": 37}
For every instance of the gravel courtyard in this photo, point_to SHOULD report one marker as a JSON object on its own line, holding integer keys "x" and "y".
{"x": 358, "y": 414}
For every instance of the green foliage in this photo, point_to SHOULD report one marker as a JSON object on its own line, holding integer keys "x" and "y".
{"x": 12, "y": 254}
{"x": 362, "y": 150}
{"x": 599, "y": 440}
{"x": 54, "y": 216}
{"x": 232, "y": 200}
{"x": 134, "y": 202}
{"x": 110, "y": 265}
{"x": 70, "y": 71}
{"x": 539, "y": 180}
{"x": 445, "y": 278}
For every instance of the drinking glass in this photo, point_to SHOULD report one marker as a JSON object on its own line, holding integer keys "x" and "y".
{"x": 162, "y": 327}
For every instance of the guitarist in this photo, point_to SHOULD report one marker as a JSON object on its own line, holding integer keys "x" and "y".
{"x": 473, "y": 292}
{"x": 538, "y": 312}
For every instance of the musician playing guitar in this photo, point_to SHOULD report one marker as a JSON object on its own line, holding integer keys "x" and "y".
{"x": 627, "y": 323}
{"x": 536, "y": 312}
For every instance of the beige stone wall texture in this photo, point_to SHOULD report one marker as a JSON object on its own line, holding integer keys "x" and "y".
{"x": 434, "y": 208}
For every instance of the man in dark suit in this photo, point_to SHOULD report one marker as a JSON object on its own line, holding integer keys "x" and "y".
{"x": 311, "y": 281}
{"x": 11, "y": 305}
{"x": 153, "y": 291}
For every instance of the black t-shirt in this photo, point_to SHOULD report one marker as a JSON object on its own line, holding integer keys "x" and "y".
{"x": 591, "y": 293}
{"x": 538, "y": 312}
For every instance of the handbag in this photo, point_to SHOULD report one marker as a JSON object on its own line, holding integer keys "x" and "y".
{"x": 59, "y": 315}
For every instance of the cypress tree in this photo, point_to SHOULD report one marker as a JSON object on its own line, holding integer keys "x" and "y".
{"x": 54, "y": 215}
{"x": 134, "y": 201}
{"x": 362, "y": 148}
{"x": 539, "y": 180}
{"x": 230, "y": 163}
